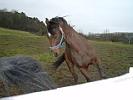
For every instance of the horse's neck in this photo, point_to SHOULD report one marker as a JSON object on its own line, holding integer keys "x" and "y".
{"x": 70, "y": 33}
{"x": 68, "y": 30}
{"x": 72, "y": 38}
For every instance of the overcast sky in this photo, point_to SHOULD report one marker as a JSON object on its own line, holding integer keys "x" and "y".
{"x": 86, "y": 15}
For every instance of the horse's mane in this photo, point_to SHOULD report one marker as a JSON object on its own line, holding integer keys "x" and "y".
{"x": 58, "y": 19}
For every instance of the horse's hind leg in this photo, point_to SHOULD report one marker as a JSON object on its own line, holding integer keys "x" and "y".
{"x": 85, "y": 72}
{"x": 100, "y": 69}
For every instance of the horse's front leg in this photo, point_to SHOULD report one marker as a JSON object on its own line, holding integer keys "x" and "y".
{"x": 71, "y": 68}
{"x": 60, "y": 60}
{"x": 85, "y": 73}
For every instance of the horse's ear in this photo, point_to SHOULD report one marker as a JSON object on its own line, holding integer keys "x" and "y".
{"x": 47, "y": 21}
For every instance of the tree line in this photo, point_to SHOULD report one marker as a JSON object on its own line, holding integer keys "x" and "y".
{"x": 20, "y": 21}
{"x": 124, "y": 37}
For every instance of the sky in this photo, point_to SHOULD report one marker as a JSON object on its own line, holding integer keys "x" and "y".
{"x": 93, "y": 16}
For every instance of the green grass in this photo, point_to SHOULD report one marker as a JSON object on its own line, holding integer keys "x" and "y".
{"x": 14, "y": 42}
{"x": 115, "y": 57}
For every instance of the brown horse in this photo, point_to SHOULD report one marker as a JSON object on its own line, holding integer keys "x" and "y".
{"x": 77, "y": 51}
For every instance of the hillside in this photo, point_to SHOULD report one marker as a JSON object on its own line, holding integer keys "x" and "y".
{"x": 20, "y": 21}
{"x": 115, "y": 57}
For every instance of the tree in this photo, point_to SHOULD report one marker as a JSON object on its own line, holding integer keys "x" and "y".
{"x": 19, "y": 21}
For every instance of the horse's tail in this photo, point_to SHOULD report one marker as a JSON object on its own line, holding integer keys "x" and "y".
{"x": 25, "y": 73}
{"x": 60, "y": 60}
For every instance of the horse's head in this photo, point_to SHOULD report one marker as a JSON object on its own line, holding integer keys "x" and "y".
{"x": 55, "y": 34}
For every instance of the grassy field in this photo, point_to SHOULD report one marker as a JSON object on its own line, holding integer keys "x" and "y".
{"x": 115, "y": 57}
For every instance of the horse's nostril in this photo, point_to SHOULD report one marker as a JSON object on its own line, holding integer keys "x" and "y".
{"x": 55, "y": 54}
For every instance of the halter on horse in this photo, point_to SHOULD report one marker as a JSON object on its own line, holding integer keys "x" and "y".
{"x": 57, "y": 39}
{"x": 77, "y": 51}
{"x": 60, "y": 45}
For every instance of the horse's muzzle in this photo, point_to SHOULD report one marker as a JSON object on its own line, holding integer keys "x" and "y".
{"x": 55, "y": 54}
